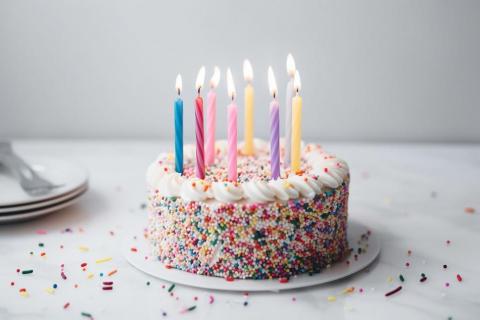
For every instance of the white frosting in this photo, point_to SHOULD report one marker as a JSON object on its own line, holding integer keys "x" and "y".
{"x": 156, "y": 170}
{"x": 227, "y": 192}
{"x": 195, "y": 190}
{"x": 323, "y": 170}
{"x": 258, "y": 191}
{"x": 170, "y": 184}
{"x": 189, "y": 152}
{"x": 301, "y": 186}
{"x": 283, "y": 189}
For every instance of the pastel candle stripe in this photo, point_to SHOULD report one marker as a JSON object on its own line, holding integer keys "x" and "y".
{"x": 274, "y": 139}
{"x": 232, "y": 142}
{"x": 200, "y": 156}
{"x": 211, "y": 122}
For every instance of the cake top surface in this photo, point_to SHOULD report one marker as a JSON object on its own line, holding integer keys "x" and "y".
{"x": 319, "y": 170}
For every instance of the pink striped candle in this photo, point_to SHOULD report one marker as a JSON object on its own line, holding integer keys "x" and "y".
{"x": 200, "y": 163}
{"x": 232, "y": 112}
{"x": 211, "y": 118}
{"x": 232, "y": 141}
{"x": 200, "y": 156}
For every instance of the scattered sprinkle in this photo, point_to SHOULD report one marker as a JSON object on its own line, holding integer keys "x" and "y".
{"x": 283, "y": 280}
{"x": 83, "y": 248}
{"x": 64, "y": 277}
{"x": 87, "y": 315}
{"x": 459, "y": 278}
{"x": 111, "y": 273}
{"x": 41, "y": 244}
{"x": 188, "y": 309}
{"x": 66, "y": 305}
{"x": 27, "y": 271}
{"x": 171, "y": 287}
{"x": 133, "y": 249}
{"x": 103, "y": 260}
{"x": 211, "y": 299}
{"x": 393, "y": 291}
{"x": 41, "y": 231}
{"x": 331, "y": 298}
{"x": 49, "y": 290}
{"x": 401, "y": 278}
{"x": 469, "y": 210}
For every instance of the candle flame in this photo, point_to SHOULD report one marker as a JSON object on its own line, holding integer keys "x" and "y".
{"x": 290, "y": 65}
{"x": 297, "y": 84}
{"x": 200, "y": 79}
{"x": 178, "y": 83}
{"x": 230, "y": 84}
{"x": 215, "y": 78}
{"x": 247, "y": 71}
{"x": 272, "y": 83}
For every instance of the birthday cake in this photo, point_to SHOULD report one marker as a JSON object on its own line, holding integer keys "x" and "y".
{"x": 256, "y": 227}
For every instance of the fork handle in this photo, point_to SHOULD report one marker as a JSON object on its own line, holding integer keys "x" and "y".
{"x": 18, "y": 166}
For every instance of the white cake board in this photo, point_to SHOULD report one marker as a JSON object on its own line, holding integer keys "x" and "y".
{"x": 337, "y": 271}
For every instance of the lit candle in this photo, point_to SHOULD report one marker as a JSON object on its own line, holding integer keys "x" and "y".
{"x": 178, "y": 111}
{"x": 274, "y": 127}
{"x": 249, "y": 94}
{"x": 296, "y": 124}
{"x": 200, "y": 156}
{"x": 288, "y": 109}
{"x": 232, "y": 129}
{"x": 211, "y": 118}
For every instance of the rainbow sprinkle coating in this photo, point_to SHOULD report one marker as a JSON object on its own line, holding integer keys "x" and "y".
{"x": 247, "y": 240}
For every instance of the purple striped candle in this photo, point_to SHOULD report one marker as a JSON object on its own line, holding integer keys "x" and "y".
{"x": 274, "y": 139}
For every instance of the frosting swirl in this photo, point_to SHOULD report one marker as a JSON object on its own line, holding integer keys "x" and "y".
{"x": 227, "y": 192}
{"x": 322, "y": 170}
{"x": 258, "y": 191}
{"x": 170, "y": 184}
{"x": 195, "y": 190}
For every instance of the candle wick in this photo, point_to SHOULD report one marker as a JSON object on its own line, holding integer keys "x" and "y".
{"x": 274, "y": 95}
{"x": 178, "y": 91}
{"x": 199, "y": 90}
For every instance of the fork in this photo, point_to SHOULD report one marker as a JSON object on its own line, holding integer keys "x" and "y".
{"x": 30, "y": 181}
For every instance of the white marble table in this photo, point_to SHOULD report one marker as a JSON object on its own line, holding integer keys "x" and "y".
{"x": 413, "y": 196}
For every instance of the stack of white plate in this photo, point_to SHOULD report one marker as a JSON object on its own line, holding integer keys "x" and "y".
{"x": 17, "y": 205}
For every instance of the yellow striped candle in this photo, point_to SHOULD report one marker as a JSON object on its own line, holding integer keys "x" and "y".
{"x": 248, "y": 148}
{"x": 296, "y": 124}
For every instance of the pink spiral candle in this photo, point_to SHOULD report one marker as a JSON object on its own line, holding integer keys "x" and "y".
{"x": 232, "y": 142}
{"x": 200, "y": 164}
{"x": 211, "y": 115}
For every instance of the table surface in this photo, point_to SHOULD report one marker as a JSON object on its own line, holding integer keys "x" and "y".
{"x": 413, "y": 196}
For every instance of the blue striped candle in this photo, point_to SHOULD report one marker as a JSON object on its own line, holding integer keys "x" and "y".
{"x": 178, "y": 111}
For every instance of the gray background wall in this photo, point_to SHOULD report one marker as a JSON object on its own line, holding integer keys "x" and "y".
{"x": 374, "y": 70}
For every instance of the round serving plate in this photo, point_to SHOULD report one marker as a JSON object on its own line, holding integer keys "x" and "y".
{"x": 31, "y": 214}
{"x": 43, "y": 204}
{"x": 356, "y": 232}
{"x": 67, "y": 175}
